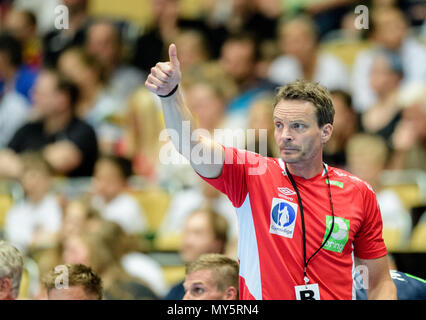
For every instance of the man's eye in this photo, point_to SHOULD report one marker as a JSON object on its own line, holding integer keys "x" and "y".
{"x": 278, "y": 125}
{"x": 196, "y": 291}
{"x": 298, "y": 125}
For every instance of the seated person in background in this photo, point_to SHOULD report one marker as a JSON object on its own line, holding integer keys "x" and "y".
{"x": 11, "y": 267}
{"x": 390, "y": 31}
{"x": 409, "y": 137}
{"x": 22, "y": 24}
{"x": 205, "y": 232}
{"x": 104, "y": 42}
{"x": 96, "y": 104}
{"x": 367, "y": 157}
{"x": 239, "y": 58}
{"x": 302, "y": 59}
{"x": 110, "y": 197}
{"x": 187, "y": 200}
{"x": 129, "y": 250}
{"x": 97, "y": 250}
{"x": 344, "y": 126}
{"x": 260, "y": 117}
{"x": 385, "y": 77}
{"x": 15, "y": 76}
{"x": 68, "y": 144}
{"x": 212, "y": 277}
{"x": 35, "y": 221}
{"x": 139, "y": 142}
{"x": 77, "y": 282}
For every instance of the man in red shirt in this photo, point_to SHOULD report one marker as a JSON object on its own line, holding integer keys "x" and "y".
{"x": 303, "y": 226}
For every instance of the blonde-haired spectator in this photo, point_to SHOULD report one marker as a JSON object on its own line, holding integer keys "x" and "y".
{"x": 212, "y": 277}
{"x": 367, "y": 156}
{"x": 11, "y": 267}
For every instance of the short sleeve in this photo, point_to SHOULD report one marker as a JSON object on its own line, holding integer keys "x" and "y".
{"x": 369, "y": 243}
{"x": 232, "y": 180}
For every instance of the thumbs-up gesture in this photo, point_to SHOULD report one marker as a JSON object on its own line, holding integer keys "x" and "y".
{"x": 165, "y": 76}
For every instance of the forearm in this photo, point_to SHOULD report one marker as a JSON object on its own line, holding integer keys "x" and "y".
{"x": 179, "y": 122}
{"x": 205, "y": 156}
{"x": 385, "y": 290}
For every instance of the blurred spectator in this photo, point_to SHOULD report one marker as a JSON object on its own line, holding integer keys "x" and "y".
{"x": 367, "y": 157}
{"x": 43, "y": 10}
{"x": 260, "y": 118}
{"x": 409, "y": 137}
{"x": 35, "y": 221}
{"x": 110, "y": 197}
{"x": 200, "y": 197}
{"x": 95, "y": 105}
{"x": 11, "y": 267}
{"x": 259, "y": 17}
{"x": 78, "y": 214}
{"x": 95, "y": 250}
{"x": 58, "y": 40}
{"x": 205, "y": 232}
{"x": 192, "y": 49}
{"x": 129, "y": 250}
{"x": 345, "y": 125}
{"x": 327, "y": 14}
{"x": 385, "y": 77}
{"x": 14, "y": 75}
{"x": 212, "y": 277}
{"x": 78, "y": 282}
{"x": 207, "y": 103}
{"x": 140, "y": 139}
{"x": 68, "y": 144}
{"x": 239, "y": 57}
{"x": 14, "y": 110}
{"x": 104, "y": 42}
{"x": 302, "y": 59}
{"x": 389, "y": 31}
{"x": 22, "y": 24}
{"x": 153, "y": 43}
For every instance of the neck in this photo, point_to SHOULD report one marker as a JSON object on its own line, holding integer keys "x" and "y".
{"x": 306, "y": 170}
{"x": 57, "y": 122}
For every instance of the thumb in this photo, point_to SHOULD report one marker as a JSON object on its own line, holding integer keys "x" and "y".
{"x": 173, "y": 55}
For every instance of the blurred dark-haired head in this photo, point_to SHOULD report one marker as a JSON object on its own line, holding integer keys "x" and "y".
{"x": 110, "y": 177}
{"x": 54, "y": 93}
{"x": 10, "y": 54}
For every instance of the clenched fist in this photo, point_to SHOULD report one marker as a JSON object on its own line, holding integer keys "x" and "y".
{"x": 165, "y": 76}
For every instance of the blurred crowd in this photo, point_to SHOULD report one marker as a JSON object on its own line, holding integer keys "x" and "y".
{"x": 88, "y": 176}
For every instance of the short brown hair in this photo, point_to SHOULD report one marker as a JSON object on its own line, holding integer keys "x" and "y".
{"x": 313, "y": 92}
{"x": 78, "y": 275}
{"x": 225, "y": 270}
{"x": 217, "y": 222}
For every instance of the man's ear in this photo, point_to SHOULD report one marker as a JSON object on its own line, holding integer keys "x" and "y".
{"x": 231, "y": 293}
{"x": 326, "y": 132}
{"x": 5, "y": 287}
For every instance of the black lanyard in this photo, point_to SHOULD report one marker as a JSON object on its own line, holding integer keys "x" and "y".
{"x": 299, "y": 200}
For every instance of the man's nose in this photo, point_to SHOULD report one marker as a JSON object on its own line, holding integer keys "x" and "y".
{"x": 286, "y": 135}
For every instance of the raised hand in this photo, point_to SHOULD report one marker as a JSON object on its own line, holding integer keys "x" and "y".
{"x": 165, "y": 76}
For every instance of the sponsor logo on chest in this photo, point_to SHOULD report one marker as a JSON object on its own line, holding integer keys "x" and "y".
{"x": 283, "y": 217}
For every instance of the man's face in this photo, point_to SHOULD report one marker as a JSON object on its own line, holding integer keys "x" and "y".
{"x": 45, "y": 95}
{"x": 107, "y": 180}
{"x": 200, "y": 285}
{"x": 237, "y": 59}
{"x": 198, "y": 238}
{"x": 102, "y": 42}
{"x": 71, "y": 293}
{"x": 296, "y": 131}
{"x": 296, "y": 39}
